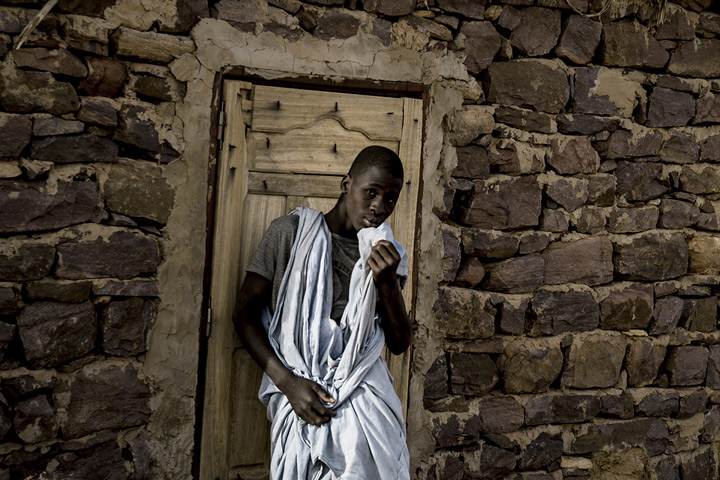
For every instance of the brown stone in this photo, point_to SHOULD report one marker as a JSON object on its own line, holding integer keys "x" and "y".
{"x": 680, "y": 148}
{"x": 451, "y": 252}
{"x": 699, "y": 58}
{"x": 7, "y": 333}
{"x": 529, "y": 366}
{"x": 9, "y": 300}
{"x": 158, "y": 88}
{"x": 570, "y": 193}
{"x": 33, "y": 206}
{"x": 463, "y": 313}
{"x": 10, "y": 22}
{"x": 60, "y": 290}
{"x": 390, "y": 8}
{"x": 617, "y": 404}
{"x": 14, "y": 134}
{"x": 639, "y": 143}
{"x": 585, "y": 124}
{"x": 534, "y": 242}
{"x": 538, "y": 31}
{"x": 641, "y": 181}
{"x": 556, "y": 408}
{"x": 86, "y": 34}
{"x": 633, "y": 220}
{"x": 45, "y": 127}
{"x": 709, "y": 23}
{"x": 490, "y": 462}
{"x": 151, "y": 46}
{"x": 335, "y": 24}
{"x": 472, "y": 162}
{"x": 472, "y": 373}
{"x": 627, "y": 308}
{"x": 587, "y": 261}
{"x": 589, "y": 220}
{"x": 700, "y": 314}
{"x": 436, "y": 381}
{"x": 556, "y": 312}
{"x": 513, "y": 157}
{"x": 124, "y": 326}
{"x": 53, "y": 333}
{"x": 127, "y": 288}
{"x": 651, "y": 256}
{"x": 700, "y": 179}
{"x": 498, "y": 415}
{"x": 594, "y": 360}
{"x": 115, "y": 253}
{"x": 135, "y": 128}
{"x": 677, "y": 26}
{"x": 656, "y": 403}
{"x": 511, "y": 317}
{"x": 35, "y": 420}
{"x": 451, "y": 431}
{"x": 601, "y": 189}
{"x": 604, "y": 91}
{"x": 515, "y": 275}
{"x": 106, "y": 77}
{"x": 643, "y": 361}
{"x": 713, "y": 372}
{"x": 468, "y": 123}
{"x": 571, "y": 155}
{"x": 138, "y": 189}
{"x": 670, "y": 108}
{"x": 553, "y": 221}
{"x": 702, "y": 463}
{"x": 666, "y": 315}
{"x": 99, "y": 461}
{"x": 106, "y": 396}
{"x": 537, "y": 84}
{"x": 22, "y": 260}
{"x": 686, "y": 365}
{"x": 707, "y": 109}
{"x": 98, "y": 111}
{"x": 26, "y": 92}
{"x": 692, "y": 403}
{"x": 704, "y": 255}
{"x": 72, "y": 149}
{"x": 579, "y": 40}
{"x": 466, "y": 8}
{"x": 524, "y": 119}
{"x": 677, "y": 214}
{"x": 504, "y": 203}
{"x": 649, "y": 433}
{"x": 627, "y": 43}
{"x": 543, "y": 451}
{"x": 58, "y": 61}
{"x": 470, "y": 273}
{"x": 710, "y": 149}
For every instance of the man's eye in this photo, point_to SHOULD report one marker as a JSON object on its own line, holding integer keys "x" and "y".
{"x": 371, "y": 193}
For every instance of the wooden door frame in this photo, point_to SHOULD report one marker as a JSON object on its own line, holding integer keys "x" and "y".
{"x": 353, "y": 86}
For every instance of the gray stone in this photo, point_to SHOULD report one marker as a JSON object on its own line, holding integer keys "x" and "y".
{"x": 104, "y": 397}
{"x": 643, "y": 362}
{"x": 139, "y": 190}
{"x": 641, "y": 181}
{"x": 482, "y": 43}
{"x": 511, "y": 318}
{"x": 118, "y": 253}
{"x": 707, "y": 109}
{"x": 335, "y": 24}
{"x": 544, "y": 450}
{"x": 677, "y": 214}
{"x": 35, "y": 420}
{"x": 524, "y": 119}
{"x": 587, "y": 261}
{"x": 86, "y": 34}
{"x": 677, "y": 26}
{"x": 451, "y": 252}
{"x": 58, "y": 61}
{"x": 22, "y": 260}
{"x": 710, "y": 149}
{"x": 14, "y": 388}
{"x": 571, "y": 155}
{"x": 627, "y": 308}
{"x": 680, "y": 148}
{"x": 7, "y": 332}
{"x": 63, "y": 291}
{"x": 556, "y": 408}
{"x": 713, "y": 371}
{"x": 618, "y": 405}
{"x": 628, "y": 43}
{"x": 151, "y": 46}
{"x": 649, "y": 433}
{"x": 585, "y": 124}
{"x": 667, "y": 468}
{"x": 515, "y": 158}
{"x": 538, "y": 31}
{"x": 579, "y": 40}
{"x": 106, "y": 77}
{"x": 498, "y": 415}
{"x": 28, "y": 92}
{"x": 699, "y": 58}
{"x": 53, "y": 333}
{"x": 700, "y": 314}
{"x": 601, "y": 189}
{"x": 700, "y": 179}
{"x": 127, "y": 288}
{"x": 451, "y": 431}
{"x": 9, "y": 300}
{"x": 124, "y": 326}
{"x": 472, "y": 374}
{"x": 641, "y": 143}
{"x": 15, "y": 133}
{"x": 472, "y": 162}
{"x": 393, "y": 8}
{"x": 504, "y": 203}
{"x": 570, "y": 193}
{"x": 33, "y": 206}
{"x": 537, "y": 84}
{"x": 429, "y": 27}
{"x": 493, "y": 462}
{"x": 702, "y": 463}
{"x": 589, "y": 220}
{"x": 692, "y": 403}
{"x": 470, "y": 273}
{"x": 10, "y": 22}
{"x": 709, "y": 23}
{"x": 135, "y": 128}
{"x": 529, "y": 366}
{"x": 594, "y": 360}
{"x": 670, "y": 108}
{"x": 98, "y": 111}
{"x": 633, "y": 220}
{"x": 711, "y": 428}
{"x": 553, "y": 221}
{"x": 686, "y": 365}
{"x": 651, "y": 257}
{"x": 556, "y": 312}
{"x": 515, "y": 275}
{"x": 466, "y": 8}
{"x": 100, "y": 461}
{"x": 463, "y": 313}
{"x": 72, "y": 149}
{"x": 603, "y": 91}
{"x": 436, "y": 381}
{"x": 534, "y": 242}
{"x": 468, "y": 123}
{"x": 45, "y": 127}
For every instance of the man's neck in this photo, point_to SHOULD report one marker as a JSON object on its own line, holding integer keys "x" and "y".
{"x": 336, "y": 220}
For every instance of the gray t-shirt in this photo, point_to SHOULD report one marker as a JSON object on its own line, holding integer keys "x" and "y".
{"x": 272, "y": 256}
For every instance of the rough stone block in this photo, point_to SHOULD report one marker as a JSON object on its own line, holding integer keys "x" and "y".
{"x": 22, "y": 260}
{"x": 472, "y": 162}
{"x": 700, "y": 314}
{"x": 553, "y": 221}
{"x": 106, "y": 77}
{"x": 101, "y": 461}
{"x": 10, "y": 22}
{"x": 579, "y": 40}
{"x": 138, "y": 189}
{"x": 555, "y": 408}
{"x": 627, "y": 307}
{"x": 570, "y": 193}
{"x": 482, "y": 43}
{"x": 33, "y": 206}
{"x": 692, "y": 403}
{"x": 431, "y": 28}
{"x": 63, "y": 291}
{"x": 538, "y": 84}
{"x": 651, "y": 256}
{"x": 98, "y": 111}
{"x": 628, "y": 43}
{"x": 666, "y": 468}
{"x": 633, "y": 220}
{"x": 686, "y": 365}
{"x": 534, "y": 242}
{"x": 556, "y": 312}
{"x": 677, "y": 26}
{"x": 53, "y": 333}
{"x": 525, "y": 119}
{"x": 7, "y": 332}
{"x": 59, "y": 61}
{"x": 470, "y": 273}
{"x": 112, "y": 253}
{"x": 490, "y": 461}
{"x": 466, "y": 8}
{"x": 335, "y": 24}
{"x": 498, "y": 415}
{"x": 515, "y": 275}
{"x": 45, "y": 127}
{"x": 452, "y": 430}
{"x": 643, "y": 361}
{"x": 35, "y": 382}
{"x": 666, "y": 315}
{"x": 700, "y": 179}
{"x": 587, "y": 261}
{"x": 463, "y": 313}
{"x": 159, "y": 88}
{"x": 136, "y": 127}
{"x": 603, "y": 91}
{"x": 543, "y": 451}
{"x": 538, "y": 31}
{"x": 640, "y": 142}
{"x": 710, "y": 149}
{"x": 511, "y": 316}
{"x": 15, "y": 133}
{"x": 437, "y": 381}
{"x": 713, "y": 371}
{"x": 124, "y": 325}
{"x": 9, "y": 300}
{"x": 571, "y": 155}
{"x": 504, "y": 203}
{"x": 702, "y": 463}
{"x": 106, "y": 397}
{"x": 704, "y": 255}
{"x": 670, "y": 108}
{"x": 594, "y": 360}
{"x": 680, "y": 148}
{"x": 72, "y": 149}
{"x": 35, "y": 420}
{"x": 472, "y": 373}
{"x": 452, "y": 254}
{"x": 467, "y": 124}
{"x": 515, "y": 158}
{"x": 530, "y": 366}
{"x": 489, "y": 244}
{"x": 650, "y": 433}
{"x": 589, "y": 220}
{"x": 138, "y": 287}
{"x": 707, "y": 109}
{"x": 150, "y": 46}
{"x": 582, "y": 123}
{"x": 711, "y": 428}
{"x": 86, "y": 34}
{"x": 698, "y": 58}
{"x": 26, "y": 92}
{"x": 617, "y": 403}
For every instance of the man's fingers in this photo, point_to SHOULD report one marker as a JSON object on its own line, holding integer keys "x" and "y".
{"x": 324, "y": 396}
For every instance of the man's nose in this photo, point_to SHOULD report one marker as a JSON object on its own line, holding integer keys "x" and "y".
{"x": 378, "y": 206}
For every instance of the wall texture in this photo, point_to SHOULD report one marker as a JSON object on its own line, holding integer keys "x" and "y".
{"x": 567, "y": 301}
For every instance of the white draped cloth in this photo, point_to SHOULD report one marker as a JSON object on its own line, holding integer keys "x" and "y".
{"x": 366, "y": 439}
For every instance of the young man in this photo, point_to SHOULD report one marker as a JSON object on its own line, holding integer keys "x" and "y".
{"x": 320, "y": 298}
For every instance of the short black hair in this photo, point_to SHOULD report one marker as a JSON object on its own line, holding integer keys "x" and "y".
{"x": 377, "y": 156}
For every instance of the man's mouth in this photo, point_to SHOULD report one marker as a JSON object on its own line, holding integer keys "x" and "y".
{"x": 371, "y": 222}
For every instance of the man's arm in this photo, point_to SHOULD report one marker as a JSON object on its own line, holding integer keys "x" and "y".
{"x": 383, "y": 262}
{"x": 304, "y": 395}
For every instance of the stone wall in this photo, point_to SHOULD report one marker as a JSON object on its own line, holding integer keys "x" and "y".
{"x": 567, "y": 305}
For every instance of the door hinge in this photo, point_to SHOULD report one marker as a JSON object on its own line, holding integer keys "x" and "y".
{"x": 221, "y": 125}
{"x": 208, "y": 323}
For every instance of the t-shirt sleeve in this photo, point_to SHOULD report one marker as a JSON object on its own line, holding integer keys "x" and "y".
{"x": 273, "y": 252}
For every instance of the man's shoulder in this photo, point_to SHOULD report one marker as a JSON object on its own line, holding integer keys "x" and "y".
{"x": 286, "y": 223}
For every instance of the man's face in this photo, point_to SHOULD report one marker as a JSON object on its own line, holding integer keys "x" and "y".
{"x": 370, "y": 197}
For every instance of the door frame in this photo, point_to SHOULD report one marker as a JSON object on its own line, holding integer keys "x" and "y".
{"x": 284, "y": 79}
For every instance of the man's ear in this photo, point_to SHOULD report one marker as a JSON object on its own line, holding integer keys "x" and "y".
{"x": 345, "y": 183}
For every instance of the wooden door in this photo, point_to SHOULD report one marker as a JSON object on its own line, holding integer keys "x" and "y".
{"x": 285, "y": 147}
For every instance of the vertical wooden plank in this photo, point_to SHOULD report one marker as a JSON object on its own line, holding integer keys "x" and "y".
{"x": 231, "y": 188}
{"x": 404, "y": 223}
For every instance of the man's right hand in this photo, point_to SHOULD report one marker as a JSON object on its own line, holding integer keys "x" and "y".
{"x": 305, "y": 398}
